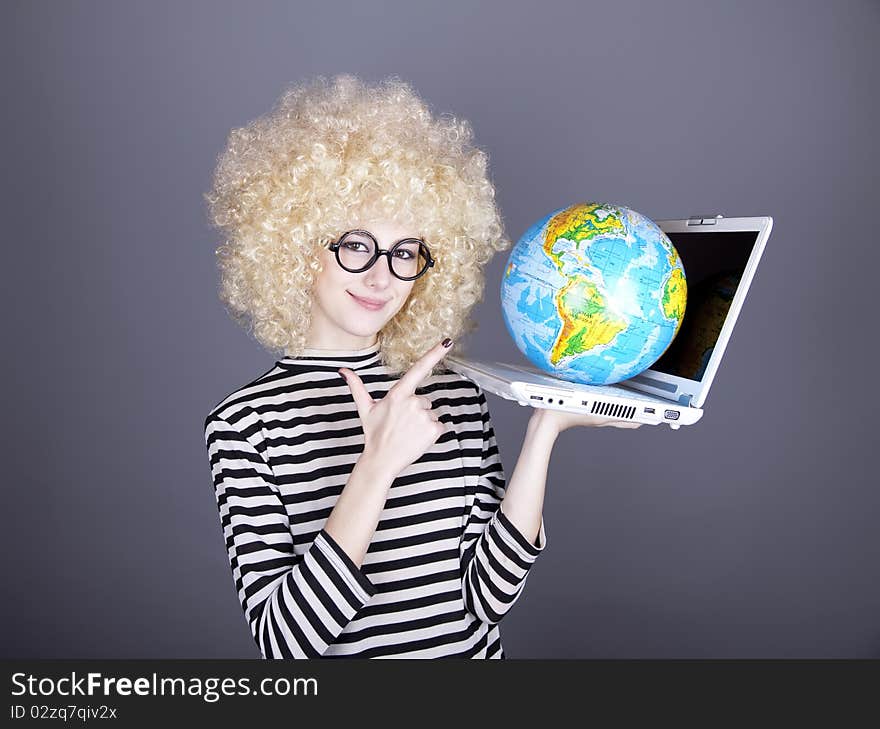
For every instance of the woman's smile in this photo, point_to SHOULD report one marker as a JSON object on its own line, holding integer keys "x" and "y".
{"x": 371, "y": 304}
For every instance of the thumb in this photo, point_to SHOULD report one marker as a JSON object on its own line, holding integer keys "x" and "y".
{"x": 362, "y": 399}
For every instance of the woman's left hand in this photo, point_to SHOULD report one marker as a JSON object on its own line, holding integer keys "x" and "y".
{"x": 558, "y": 420}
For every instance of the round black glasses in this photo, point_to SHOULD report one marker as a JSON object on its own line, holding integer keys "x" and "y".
{"x": 358, "y": 250}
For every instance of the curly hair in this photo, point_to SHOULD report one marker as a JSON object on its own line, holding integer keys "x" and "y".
{"x": 291, "y": 180}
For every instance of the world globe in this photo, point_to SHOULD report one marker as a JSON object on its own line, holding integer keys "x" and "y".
{"x": 593, "y": 293}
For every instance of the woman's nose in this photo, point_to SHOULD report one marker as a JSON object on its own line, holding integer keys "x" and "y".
{"x": 378, "y": 275}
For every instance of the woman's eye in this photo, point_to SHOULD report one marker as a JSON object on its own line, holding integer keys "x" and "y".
{"x": 404, "y": 254}
{"x": 352, "y": 245}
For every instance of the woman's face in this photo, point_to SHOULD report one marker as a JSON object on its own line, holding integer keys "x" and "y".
{"x": 339, "y": 319}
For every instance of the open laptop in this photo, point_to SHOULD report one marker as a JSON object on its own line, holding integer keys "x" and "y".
{"x": 719, "y": 256}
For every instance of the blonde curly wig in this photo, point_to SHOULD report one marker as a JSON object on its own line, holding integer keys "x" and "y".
{"x": 292, "y": 180}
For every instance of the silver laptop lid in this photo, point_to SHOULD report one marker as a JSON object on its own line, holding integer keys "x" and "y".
{"x": 719, "y": 256}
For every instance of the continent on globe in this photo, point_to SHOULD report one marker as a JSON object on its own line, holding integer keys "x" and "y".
{"x": 585, "y": 320}
{"x": 594, "y": 293}
{"x": 675, "y": 295}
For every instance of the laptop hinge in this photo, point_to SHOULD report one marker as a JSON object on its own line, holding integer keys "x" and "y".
{"x": 685, "y": 399}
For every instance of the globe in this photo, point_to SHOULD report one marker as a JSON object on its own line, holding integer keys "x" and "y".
{"x": 593, "y": 293}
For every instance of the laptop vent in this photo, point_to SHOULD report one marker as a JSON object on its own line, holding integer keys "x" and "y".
{"x": 613, "y": 411}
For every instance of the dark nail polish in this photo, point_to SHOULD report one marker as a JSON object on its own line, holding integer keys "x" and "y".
{"x": 447, "y": 342}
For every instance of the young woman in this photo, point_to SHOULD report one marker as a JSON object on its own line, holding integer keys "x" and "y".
{"x": 359, "y": 484}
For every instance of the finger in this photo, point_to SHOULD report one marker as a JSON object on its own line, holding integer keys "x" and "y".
{"x": 362, "y": 399}
{"x": 421, "y": 369}
{"x": 424, "y": 402}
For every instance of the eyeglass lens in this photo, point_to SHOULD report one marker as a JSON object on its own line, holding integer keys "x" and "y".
{"x": 356, "y": 253}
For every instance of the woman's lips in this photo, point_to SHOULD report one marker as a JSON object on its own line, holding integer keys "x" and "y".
{"x": 367, "y": 304}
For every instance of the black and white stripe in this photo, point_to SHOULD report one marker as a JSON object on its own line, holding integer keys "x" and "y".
{"x": 445, "y": 564}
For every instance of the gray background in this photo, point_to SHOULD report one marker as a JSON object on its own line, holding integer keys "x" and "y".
{"x": 753, "y": 534}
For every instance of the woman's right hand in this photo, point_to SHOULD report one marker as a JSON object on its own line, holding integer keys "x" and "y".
{"x": 401, "y": 426}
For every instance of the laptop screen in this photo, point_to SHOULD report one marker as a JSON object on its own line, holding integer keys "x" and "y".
{"x": 714, "y": 263}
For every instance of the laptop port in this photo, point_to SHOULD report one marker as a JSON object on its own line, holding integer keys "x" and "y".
{"x": 671, "y": 414}
{"x": 649, "y": 410}
{"x": 536, "y": 397}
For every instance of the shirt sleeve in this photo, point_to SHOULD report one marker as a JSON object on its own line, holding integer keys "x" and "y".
{"x": 295, "y": 605}
{"x": 495, "y": 555}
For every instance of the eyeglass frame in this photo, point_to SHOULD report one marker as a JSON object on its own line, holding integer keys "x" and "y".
{"x": 378, "y": 252}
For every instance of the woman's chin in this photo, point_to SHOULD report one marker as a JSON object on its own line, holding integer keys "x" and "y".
{"x": 366, "y": 329}
{"x": 368, "y": 323}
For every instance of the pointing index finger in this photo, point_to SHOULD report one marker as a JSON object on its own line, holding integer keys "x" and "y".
{"x": 422, "y": 367}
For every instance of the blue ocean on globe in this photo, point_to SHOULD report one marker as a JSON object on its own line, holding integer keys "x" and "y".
{"x": 593, "y": 293}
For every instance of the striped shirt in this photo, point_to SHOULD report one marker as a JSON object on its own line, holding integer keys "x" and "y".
{"x": 445, "y": 563}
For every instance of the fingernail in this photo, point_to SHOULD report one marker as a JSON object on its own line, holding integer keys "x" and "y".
{"x": 341, "y": 374}
{"x": 447, "y": 342}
